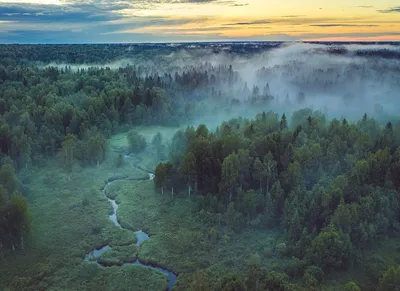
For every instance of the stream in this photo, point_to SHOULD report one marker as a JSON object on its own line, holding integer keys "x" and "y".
{"x": 141, "y": 236}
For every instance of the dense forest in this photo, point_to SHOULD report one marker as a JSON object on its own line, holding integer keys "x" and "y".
{"x": 330, "y": 186}
{"x": 271, "y": 150}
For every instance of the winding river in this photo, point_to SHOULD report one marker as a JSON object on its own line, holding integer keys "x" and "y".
{"x": 141, "y": 236}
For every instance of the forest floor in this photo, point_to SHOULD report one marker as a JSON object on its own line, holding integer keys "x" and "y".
{"x": 70, "y": 218}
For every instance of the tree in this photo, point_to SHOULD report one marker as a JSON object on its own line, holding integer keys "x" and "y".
{"x": 14, "y": 220}
{"x": 277, "y": 198}
{"x": 8, "y": 178}
{"x": 292, "y": 176}
{"x": 270, "y": 169}
{"x": 137, "y": 142}
{"x": 202, "y": 130}
{"x": 96, "y": 146}
{"x": 230, "y": 174}
{"x": 255, "y": 275}
{"x": 351, "y": 286}
{"x": 343, "y": 217}
{"x": 257, "y": 172}
{"x": 330, "y": 249}
{"x": 68, "y": 150}
{"x": 244, "y": 166}
{"x": 379, "y": 163}
{"x": 390, "y": 280}
{"x": 232, "y": 283}
{"x": 200, "y": 281}
{"x": 188, "y": 169}
{"x": 283, "y": 124}
{"x": 313, "y": 276}
{"x": 162, "y": 175}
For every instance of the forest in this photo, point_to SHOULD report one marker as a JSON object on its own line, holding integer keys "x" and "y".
{"x": 331, "y": 187}
{"x": 300, "y": 157}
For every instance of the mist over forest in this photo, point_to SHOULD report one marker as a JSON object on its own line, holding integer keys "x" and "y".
{"x": 341, "y": 80}
{"x": 200, "y": 166}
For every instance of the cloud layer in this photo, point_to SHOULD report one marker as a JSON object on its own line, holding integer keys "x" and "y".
{"x": 72, "y": 21}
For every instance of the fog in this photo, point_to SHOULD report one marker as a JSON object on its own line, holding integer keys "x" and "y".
{"x": 342, "y": 80}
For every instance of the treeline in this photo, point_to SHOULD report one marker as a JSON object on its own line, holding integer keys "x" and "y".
{"x": 257, "y": 278}
{"x": 99, "y": 53}
{"x": 332, "y": 187}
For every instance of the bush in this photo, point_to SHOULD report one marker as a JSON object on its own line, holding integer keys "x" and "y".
{"x": 137, "y": 142}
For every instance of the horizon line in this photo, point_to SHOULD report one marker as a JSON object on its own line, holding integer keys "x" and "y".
{"x": 205, "y": 42}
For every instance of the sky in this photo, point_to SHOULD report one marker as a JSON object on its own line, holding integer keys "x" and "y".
{"x": 111, "y": 21}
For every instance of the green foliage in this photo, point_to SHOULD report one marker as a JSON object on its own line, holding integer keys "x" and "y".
{"x": 351, "y": 286}
{"x": 232, "y": 283}
{"x": 313, "y": 276}
{"x": 14, "y": 218}
{"x": 68, "y": 151}
{"x": 162, "y": 175}
{"x": 331, "y": 249}
{"x": 329, "y": 185}
{"x": 200, "y": 281}
{"x": 230, "y": 174}
{"x": 276, "y": 281}
{"x": 96, "y": 147}
{"x": 8, "y": 178}
{"x": 390, "y": 280}
{"x": 137, "y": 142}
{"x": 213, "y": 234}
{"x": 298, "y": 177}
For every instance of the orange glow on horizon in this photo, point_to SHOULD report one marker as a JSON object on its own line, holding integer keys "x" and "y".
{"x": 382, "y": 38}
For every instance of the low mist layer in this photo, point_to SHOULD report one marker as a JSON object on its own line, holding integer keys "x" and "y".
{"x": 342, "y": 80}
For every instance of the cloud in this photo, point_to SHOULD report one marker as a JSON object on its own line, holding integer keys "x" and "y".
{"x": 292, "y": 16}
{"x": 239, "y": 5}
{"x": 126, "y": 20}
{"x": 390, "y": 10}
{"x": 343, "y": 25}
{"x": 255, "y": 22}
{"x": 354, "y": 34}
{"x": 79, "y": 13}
